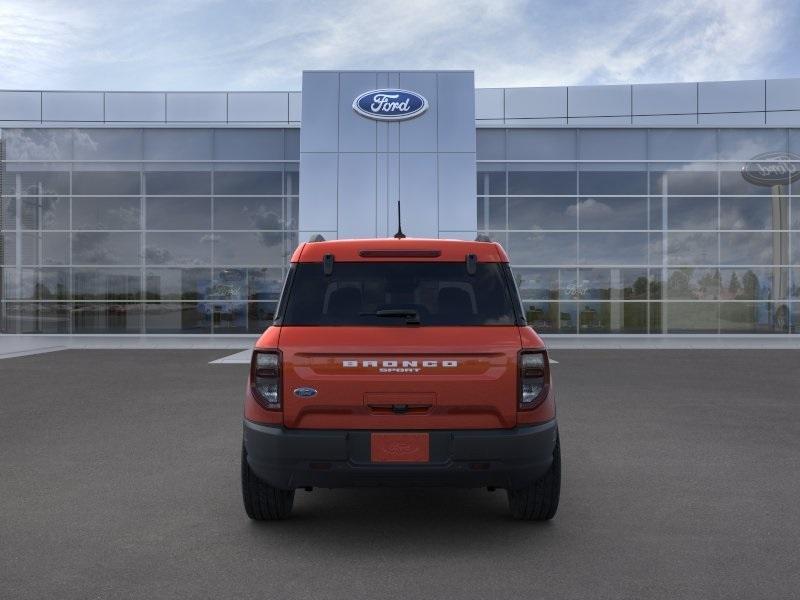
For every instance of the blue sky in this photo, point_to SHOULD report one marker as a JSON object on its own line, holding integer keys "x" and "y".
{"x": 249, "y": 45}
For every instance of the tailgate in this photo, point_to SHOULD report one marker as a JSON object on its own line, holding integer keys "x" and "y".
{"x": 423, "y": 378}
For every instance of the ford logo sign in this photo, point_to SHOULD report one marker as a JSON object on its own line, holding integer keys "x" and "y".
{"x": 390, "y": 105}
{"x": 305, "y": 392}
{"x": 772, "y": 168}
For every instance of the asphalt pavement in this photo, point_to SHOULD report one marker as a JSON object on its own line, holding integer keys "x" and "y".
{"x": 119, "y": 478}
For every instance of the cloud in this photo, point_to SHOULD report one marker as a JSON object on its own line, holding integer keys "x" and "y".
{"x": 208, "y": 44}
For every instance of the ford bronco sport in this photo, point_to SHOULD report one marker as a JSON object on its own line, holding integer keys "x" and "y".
{"x": 400, "y": 362}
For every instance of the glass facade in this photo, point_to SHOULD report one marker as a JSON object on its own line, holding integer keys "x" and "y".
{"x": 173, "y": 230}
{"x": 638, "y": 231}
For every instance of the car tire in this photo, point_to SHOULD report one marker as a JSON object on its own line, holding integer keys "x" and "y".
{"x": 539, "y": 501}
{"x": 262, "y": 502}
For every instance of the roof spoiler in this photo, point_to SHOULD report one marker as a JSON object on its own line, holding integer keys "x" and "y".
{"x": 317, "y": 237}
{"x": 482, "y": 237}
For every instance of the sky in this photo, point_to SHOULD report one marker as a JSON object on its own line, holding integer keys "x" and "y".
{"x": 265, "y": 45}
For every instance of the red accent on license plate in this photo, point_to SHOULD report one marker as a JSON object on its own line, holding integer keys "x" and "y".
{"x": 400, "y": 447}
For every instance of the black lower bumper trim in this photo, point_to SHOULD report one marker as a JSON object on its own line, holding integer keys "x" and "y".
{"x": 296, "y": 458}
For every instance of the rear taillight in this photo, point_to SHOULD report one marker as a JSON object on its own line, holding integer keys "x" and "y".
{"x": 533, "y": 378}
{"x": 265, "y": 378}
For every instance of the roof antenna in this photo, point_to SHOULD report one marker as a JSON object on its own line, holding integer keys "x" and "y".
{"x": 399, "y": 235}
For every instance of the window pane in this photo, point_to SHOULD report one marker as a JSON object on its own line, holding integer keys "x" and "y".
{"x": 682, "y": 144}
{"x": 613, "y": 284}
{"x": 228, "y": 284}
{"x": 612, "y": 213}
{"x": 99, "y": 317}
{"x": 732, "y": 182}
{"x": 684, "y": 183}
{"x": 543, "y": 248}
{"x": 106, "y": 213}
{"x": 47, "y": 317}
{"x": 247, "y": 182}
{"x": 264, "y": 284}
{"x": 692, "y": 213}
{"x": 177, "y": 284}
{"x": 753, "y": 317}
{"x": 8, "y": 248}
{"x": 183, "y": 317}
{"x": 750, "y": 248}
{"x": 38, "y": 144}
{"x": 108, "y": 144}
{"x": 747, "y": 143}
{"x": 48, "y": 248}
{"x": 8, "y": 213}
{"x": 613, "y": 317}
{"x": 260, "y": 316}
{"x": 541, "y": 213}
{"x": 754, "y": 283}
{"x": 546, "y": 284}
{"x": 117, "y": 183}
{"x": 613, "y": 249}
{"x": 248, "y": 213}
{"x": 612, "y": 144}
{"x": 178, "y": 213}
{"x": 692, "y": 248}
{"x": 492, "y": 213}
{"x": 105, "y": 248}
{"x": 691, "y": 317}
{"x": 248, "y": 144}
{"x": 754, "y": 213}
{"x": 178, "y": 183}
{"x": 226, "y": 317}
{"x": 36, "y": 183}
{"x": 613, "y": 182}
{"x": 552, "y": 317}
{"x": 491, "y": 180}
{"x": 693, "y": 284}
{"x": 44, "y": 212}
{"x": 177, "y": 144}
{"x": 291, "y": 141}
{"x": 251, "y": 249}
{"x": 491, "y": 144}
{"x": 541, "y": 144}
{"x": 178, "y": 248}
{"x": 107, "y": 284}
{"x": 537, "y": 183}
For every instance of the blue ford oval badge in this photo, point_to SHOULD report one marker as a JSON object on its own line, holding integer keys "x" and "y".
{"x": 305, "y": 392}
{"x": 390, "y": 105}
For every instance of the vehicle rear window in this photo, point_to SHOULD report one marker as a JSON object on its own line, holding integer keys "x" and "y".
{"x": 398, "y": 293}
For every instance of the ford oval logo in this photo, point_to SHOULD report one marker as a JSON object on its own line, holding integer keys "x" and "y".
{"x": 390, "y": 105}
{"x": 305, "y": 392}
{"x": 772, "y": 168}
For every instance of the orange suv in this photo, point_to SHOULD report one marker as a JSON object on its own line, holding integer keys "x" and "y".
{"x": 400, "y": 362}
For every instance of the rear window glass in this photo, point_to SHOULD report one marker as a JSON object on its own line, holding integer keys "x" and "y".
{"x": 396, "y": 293}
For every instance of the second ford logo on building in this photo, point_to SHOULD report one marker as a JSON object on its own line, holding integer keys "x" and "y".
{"x": 390, "y": 105}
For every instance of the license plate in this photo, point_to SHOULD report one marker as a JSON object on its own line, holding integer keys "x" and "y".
{"x": 399, "y": 447}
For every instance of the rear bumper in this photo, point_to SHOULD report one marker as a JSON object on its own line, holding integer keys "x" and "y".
{"x": 296, "y": 458}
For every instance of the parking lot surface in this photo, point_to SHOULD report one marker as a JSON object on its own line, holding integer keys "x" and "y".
{"x": 119, "y": 478}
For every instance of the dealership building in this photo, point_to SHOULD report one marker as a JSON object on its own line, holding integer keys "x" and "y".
{"x": 657, "y": 209}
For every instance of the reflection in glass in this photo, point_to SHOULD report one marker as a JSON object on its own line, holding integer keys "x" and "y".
{"x": 752, "y": 248}
{"x": 31, "y": 317}
{"x": 177, "y": 183}
{"x": 100, "y": 183}
{"x": 105, "y": 248}
{"x": 753, "y": 317}
{"x": 541, "y": 213}
{"x": 178, "y": 248}
{"x": 248, "y": 182}
{"x": 100, "y": 317}
{"x": 691, "y": 317}
{"x": 552, "y": 317}
{"x": 177, "y": 284}
{"x": 612, "y": 213}
{"x": 44, "y": 284}
{"x": 178, "y": 213}
{"x": 612, "y": 284}
{"x": 537, "y": 248}
{"x": 183, "y": 317}
{"x": 546, "y": 284}
{"x": 693, "y": 248}
{"x": 613, "y": 248}
{"x": 524, "y": 182}
{"x": 264, "y": 284}
{"x": 44, "y": 213}
{"x": 248, "y": 213}
{"x": 491, "y": 180}
{"x": 36, "y": 183}
{"x": 45, "y": 248}
{"x": 251, "y": 249}
{"x": 106, "y": 284}
{"x": 693, "y": 284}
{"x": 106, "y": 213}
{"x": 684, "y": 183}
{"x": 754, "y": 283}
{"x": 754, "y": 213}
{"x": 613, "y": 317}
{"x": 611, "y": 183}
{"x": 492, "y": 213}
{"x": 692, "y": 213}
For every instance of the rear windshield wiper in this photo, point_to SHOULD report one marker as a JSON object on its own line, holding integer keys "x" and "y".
{"x": 411, "y": 315}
